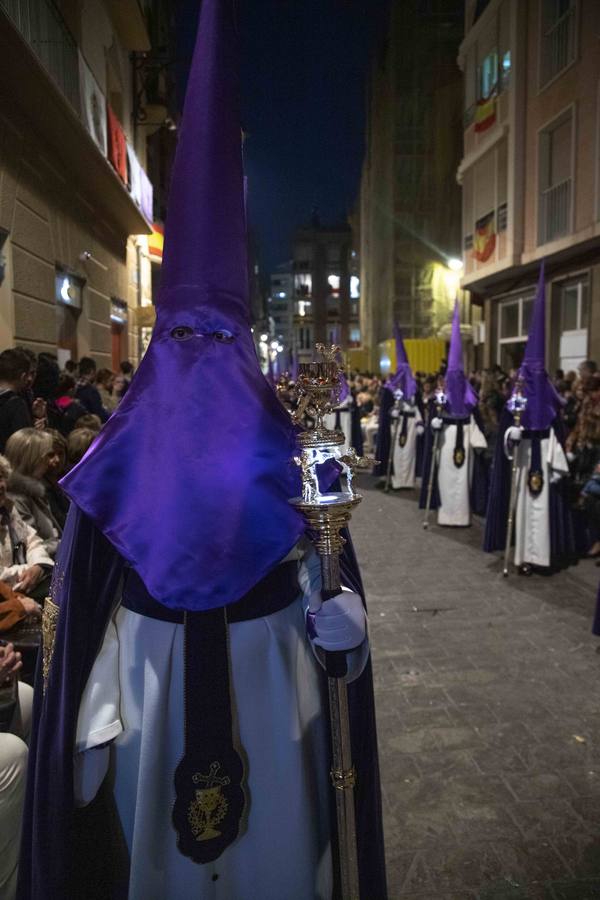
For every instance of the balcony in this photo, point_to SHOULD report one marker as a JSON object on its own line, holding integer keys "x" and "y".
{"x": 39, "y": 70}
{"x": 555, "y": 212}
{"x": 558, "y": 46}
{"x": 42, "y": 26}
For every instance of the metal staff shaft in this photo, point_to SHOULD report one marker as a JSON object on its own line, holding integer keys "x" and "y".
{"x": 512, "y": 503}
{"x": 388, "y": 477}
{"x": 432, "y": 471}
{"x": 343, "y": 774}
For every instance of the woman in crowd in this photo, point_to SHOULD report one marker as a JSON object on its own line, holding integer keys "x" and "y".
{"x": 78, "y": 443}
{"x": 31, "y": 453}
{"x": 105, "y": 381}
{"x": 25, "y": 565}
{"x": 57, "y": 466}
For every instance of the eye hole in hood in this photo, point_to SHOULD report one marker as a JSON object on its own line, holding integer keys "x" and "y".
{"x": 182, "y": 333}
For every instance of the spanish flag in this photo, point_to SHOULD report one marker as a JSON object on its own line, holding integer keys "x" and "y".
{"x": 484, "y": 241}
{"x": 485, "y": 113}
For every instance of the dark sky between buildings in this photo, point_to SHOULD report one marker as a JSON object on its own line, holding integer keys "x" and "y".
{"x": 304, "y": 69}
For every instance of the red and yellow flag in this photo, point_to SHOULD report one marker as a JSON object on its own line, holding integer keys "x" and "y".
{"x": 485, "y": 113}
{"x": 484, "y": 240}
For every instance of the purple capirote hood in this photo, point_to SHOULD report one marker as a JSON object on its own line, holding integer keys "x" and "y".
{"x": 403, "y": 379}
{"x": 543, "y": 402}
{"x": 191, "y": 476}
{"x": 461, "y": 397}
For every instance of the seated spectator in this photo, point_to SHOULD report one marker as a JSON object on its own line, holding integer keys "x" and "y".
{"x": 120, "y": 387}
{"x": 17, "y": 702}
{"x": 104, "y": 382}
{"x": 24, "y": 564}
{"x": 91, "y": 422}
{"x": 15, "y": 372}
{"x": 86, "y": 392}
{"x": 30, "y": 453}
{"x": 57, "y": 466}
{"x": 78, "y": 443}
{"x": 71, "y": 409}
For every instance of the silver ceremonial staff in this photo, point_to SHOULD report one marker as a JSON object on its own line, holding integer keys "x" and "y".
{"x": 440, "y": 402}
{"x": 398, "y": 397}
{"x": 516, "y": 405}
{"x": 326, "y": 514}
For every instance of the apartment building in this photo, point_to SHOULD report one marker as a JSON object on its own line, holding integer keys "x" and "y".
{"x": 530, "y": 173}
{"x": 410, "y": 204}
{"x": 325, "y": 290}
{"x": 80, "y": 108}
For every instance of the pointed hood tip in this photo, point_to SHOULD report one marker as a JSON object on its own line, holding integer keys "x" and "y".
{"x": 205, "y": 257}
{"x": 461, "y": 397}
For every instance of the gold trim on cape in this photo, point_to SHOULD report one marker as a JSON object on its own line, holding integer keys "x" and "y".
{"x": 49, "y": 623}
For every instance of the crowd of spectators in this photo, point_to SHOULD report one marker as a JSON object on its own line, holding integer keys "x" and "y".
{"x": 48, "y": 419}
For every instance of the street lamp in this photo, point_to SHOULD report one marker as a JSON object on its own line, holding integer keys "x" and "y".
{"x": 455, "y": 264}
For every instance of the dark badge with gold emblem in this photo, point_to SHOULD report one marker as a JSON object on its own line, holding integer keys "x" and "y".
{"x": 209, "y": 804}
{"x": 535, "y": 482}
{"x": 402, "y": 440}
{"x": 459, "y": 457}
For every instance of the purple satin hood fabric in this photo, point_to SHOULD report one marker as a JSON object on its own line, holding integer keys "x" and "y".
{"x": 191, "y": 476}
{"x": 460, "y": 395}
{"x": 543, "y": 402}
{"x": 403, "y": 379}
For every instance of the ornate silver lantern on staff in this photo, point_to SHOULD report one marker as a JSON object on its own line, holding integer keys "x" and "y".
{"x": 440, "y": 402}
{"x": 396, "y": 410}
{"x": 517, "y": 404}
{"x": 326, "y": 514}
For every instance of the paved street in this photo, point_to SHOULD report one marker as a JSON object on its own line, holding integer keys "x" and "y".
{"x": 488, "y": 713}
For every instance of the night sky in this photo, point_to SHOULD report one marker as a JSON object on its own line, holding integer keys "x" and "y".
{"x": 304, "y": 69}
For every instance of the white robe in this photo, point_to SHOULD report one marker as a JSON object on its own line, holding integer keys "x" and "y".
{"x": 345, "y": 410}
{"x": 134, "y": 697}
{"x": 454, "y": 483}
{"x": 532, "y": 514}
{"x": 404, "y": 459}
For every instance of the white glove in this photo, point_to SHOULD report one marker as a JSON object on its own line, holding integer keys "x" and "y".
{"x": 513, "y": 434}
{"x": 395, "y": 413}
{"x": 337, "y": 624}
{"x": 419, "y": 424}
{"x": 437, "y": 424}
{"x": 570, "y": 456}
{"x": 555, "y": 477}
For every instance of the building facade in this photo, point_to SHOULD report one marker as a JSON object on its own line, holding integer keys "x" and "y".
{"x": 409, "y": 200}
{"x": 530, "y": 173}
{"x": 76, "y": 203}
{"x": 325, "y": 289}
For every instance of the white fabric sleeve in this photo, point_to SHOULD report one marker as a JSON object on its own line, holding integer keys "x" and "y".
{"x": 99, "y": 720}
{"x": 557, "y": 459}
{"x": 36, "y": 554}
{"x": 309, "y": 578}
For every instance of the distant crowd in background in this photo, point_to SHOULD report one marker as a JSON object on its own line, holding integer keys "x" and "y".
{"x": 580, "y": 392}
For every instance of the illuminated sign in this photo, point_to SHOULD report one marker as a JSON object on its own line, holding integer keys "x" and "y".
{"x": 118, "y": 311}
{"x": 68, "y": 289}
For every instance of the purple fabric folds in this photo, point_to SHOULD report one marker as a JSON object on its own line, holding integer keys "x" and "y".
{"x": 543, "y": 402}
{"x": 403, "y": 379}
{"x": 190, "y": 478}
{"x": 461, "y": 398}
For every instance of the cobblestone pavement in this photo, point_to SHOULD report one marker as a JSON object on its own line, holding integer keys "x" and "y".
{"x": 488, "y": 712}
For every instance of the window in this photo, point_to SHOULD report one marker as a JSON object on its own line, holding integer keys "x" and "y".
{"x": 354, "y": 287}
{"x": 557, "y": 40}
{"x": 556, "y": 169}
{"x": 514, "y": 316}
{"x": 487, "y": 76}
{"x": 303, "y": 284}
{"x": 574, "y": 305}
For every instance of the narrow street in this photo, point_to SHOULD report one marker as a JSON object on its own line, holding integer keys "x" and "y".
{"x": 488, "y": 713}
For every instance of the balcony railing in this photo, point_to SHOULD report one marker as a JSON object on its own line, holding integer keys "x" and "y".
{"x": 558, "y": 46}
{"x": 555, "y": 212}
{"x": 42, "y": 26}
